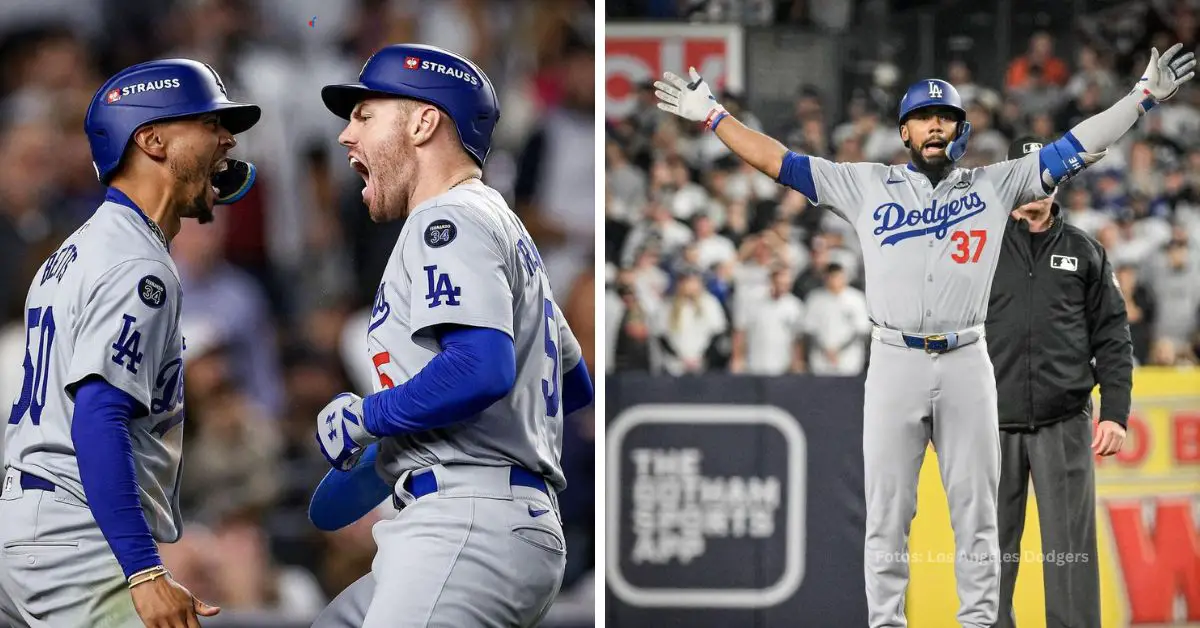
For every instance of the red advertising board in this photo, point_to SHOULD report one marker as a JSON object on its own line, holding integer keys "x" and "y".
{"x": 636, "y": 53}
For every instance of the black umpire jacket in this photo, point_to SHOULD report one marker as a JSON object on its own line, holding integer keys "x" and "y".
{"x": 1048, "y": 317}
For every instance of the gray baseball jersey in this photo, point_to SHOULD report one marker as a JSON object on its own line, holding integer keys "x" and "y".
{"x": 464, "y": 258}
{"x": 106, "y": 304}
{"x": 929, "y": 252}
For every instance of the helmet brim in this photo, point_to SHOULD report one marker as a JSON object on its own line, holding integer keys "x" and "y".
{"x": 238, "y": 117}
{"x": 341, "y": 99}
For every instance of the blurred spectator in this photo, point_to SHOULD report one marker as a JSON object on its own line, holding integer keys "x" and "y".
{"x": 1079, "y": 211}
{"x": 661, "y": 231}
{"x": 229, "y": 444}
{"x": 1140, "y": 309}
{"x": 1092, "y": 74}
{"x": 1037, "y": 65}
{"x": 1085, "y": 104}
{"x": 768, "y": 333}
{"x": 216, "y": 291}
{"x": 627, "y": 185}
{"x": 555, "y": 186}
{"x": 687, "y": 326}
{"x": 711, "y": 248}
{"x": 808, "y": 111}
{"x": 838, "y": 325}
{"x": 627, "y": 327}
{"x": 987, "y": 144}
{"x": 1176, "y": 286}
{"x": 962, "y": 77}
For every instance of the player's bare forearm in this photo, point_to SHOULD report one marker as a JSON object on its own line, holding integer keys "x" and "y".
{"x": 760, "y": 150}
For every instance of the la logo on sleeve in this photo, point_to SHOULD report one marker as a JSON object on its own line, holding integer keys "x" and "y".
{"x": 1064, "y": 262}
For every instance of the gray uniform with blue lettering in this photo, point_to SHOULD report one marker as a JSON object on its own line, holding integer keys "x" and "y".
{"x": 929, "y": 254}
{"x": 479, "y": 552}
{"x": 106, "y": 304}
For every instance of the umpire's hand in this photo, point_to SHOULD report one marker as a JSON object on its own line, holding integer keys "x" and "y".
{"x": 164, "y": 603}
{"x": 1109, "y": 438}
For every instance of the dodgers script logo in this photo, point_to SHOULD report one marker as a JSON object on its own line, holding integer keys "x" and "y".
{"x": 892, "y": 217}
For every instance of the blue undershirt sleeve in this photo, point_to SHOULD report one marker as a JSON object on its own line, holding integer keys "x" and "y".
{"x": 577, "y": 389}
{"x": 100, "y": 432}
{"x": 476, "y": 368}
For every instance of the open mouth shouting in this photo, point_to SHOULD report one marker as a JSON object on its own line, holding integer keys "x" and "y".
{"x": 363, "y": 171}
{"x": 219, "y": 166}
{"x": 934, "y": 146}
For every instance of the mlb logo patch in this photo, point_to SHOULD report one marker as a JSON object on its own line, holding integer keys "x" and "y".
{"x": 113, "y": 95}
{"x": 412, "y": 63}
{"x": 1029, "y": 147}
{"x": 1064, "y": 262}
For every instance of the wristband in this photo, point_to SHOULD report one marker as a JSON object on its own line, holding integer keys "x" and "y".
{"x": 714, "y": 118}
{"x": 146, "y": 575}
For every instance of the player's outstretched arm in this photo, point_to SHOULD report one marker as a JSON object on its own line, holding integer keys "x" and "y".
{"x": 695, "y": 101}
{"x": 1086, "y": 143}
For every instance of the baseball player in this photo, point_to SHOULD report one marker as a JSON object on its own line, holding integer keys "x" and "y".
{"x": 95, "y": 437}
{"x": 930, "y": 235}
{"x": 476, "y": 364}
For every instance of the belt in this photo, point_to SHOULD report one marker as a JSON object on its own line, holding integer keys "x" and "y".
{"x": 34, "y": 483}
{"x": 935, "y": 343}
{"x": 426, "y": 483}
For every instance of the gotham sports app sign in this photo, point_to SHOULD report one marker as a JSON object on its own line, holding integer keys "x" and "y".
{"x": 709, "y": 506}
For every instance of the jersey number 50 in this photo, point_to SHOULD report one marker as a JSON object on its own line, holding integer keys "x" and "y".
{"x": 37, "y": 368}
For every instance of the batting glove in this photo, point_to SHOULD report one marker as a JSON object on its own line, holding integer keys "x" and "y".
{"x": 692, "y": 101}
{"x": 1163, "y": 76}
{"x": 341, "y": 432}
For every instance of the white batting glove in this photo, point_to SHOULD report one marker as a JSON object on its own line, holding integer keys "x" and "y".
{"x": 1163, "y": 76}
{"x": 341, "y": 432}
{"x": 691, "y": 101}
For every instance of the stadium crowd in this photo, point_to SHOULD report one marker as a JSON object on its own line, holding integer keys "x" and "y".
{"x": 278, "y": 289}
{"x": 712, "y": 266}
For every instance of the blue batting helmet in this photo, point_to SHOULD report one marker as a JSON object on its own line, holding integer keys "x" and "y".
{"x": 428, "y": 74}
{"x": 930, "y": 93}
{"x": 938, "y": 93}
{"x": 156, "y": 91}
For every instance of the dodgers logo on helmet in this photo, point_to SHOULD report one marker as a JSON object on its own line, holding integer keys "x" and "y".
{"x": 930, "y": 93}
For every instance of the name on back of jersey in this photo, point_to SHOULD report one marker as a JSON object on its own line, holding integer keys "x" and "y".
{"x": 530, "y": 257}
{"x": 895, "y": 220}
{"x": 57, "y": 264}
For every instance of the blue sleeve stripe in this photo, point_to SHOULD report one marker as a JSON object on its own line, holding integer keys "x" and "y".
{"x": 577, "y": 389}
{"x": 796, "y": 173}
{"x": 100, "y": 433}
{"x": 476, "y": 368}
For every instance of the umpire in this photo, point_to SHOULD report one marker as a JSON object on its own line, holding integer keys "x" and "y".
{"x": 1056, "y": 327}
